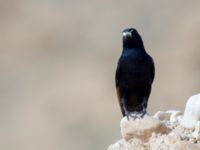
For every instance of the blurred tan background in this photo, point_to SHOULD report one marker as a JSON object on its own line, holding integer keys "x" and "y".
{"x": 58, "y": 60}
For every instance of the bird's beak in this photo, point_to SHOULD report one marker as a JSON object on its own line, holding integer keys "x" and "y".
{"x": 127, "y": 34}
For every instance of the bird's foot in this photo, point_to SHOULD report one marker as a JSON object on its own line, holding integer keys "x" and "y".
{"x": 141, "y": 115}
{"x": 135, "y": 115}
{"x": 128, "y": 115}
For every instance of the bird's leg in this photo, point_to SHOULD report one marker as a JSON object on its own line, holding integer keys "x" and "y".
{"x": 137, "y": 114}
{"x": 141, "y": 115}
{"x": 134, "y": 115}
{"x": 127, "y": 113}
{"x": 144, "y": 111}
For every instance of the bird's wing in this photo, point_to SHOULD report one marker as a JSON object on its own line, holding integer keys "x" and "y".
{"x": 117, "y": 80}
{"x": 117, "y": 74}
{"x": 152, "y": 70}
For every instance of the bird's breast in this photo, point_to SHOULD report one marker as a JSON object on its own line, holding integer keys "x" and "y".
{"x": 135, "y": 71}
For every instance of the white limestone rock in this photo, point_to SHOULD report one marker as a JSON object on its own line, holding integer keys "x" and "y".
{"x": 166, "y": 130}
{"x": 119, "y": 145}
{"x": 141, "y": 128}
{"x": 192, "y": 112}
{"x": 196, "y": 133}
{"x": 162, "y": 115}
{"x": 170, "y": 115}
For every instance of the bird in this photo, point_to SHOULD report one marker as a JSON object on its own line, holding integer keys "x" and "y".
{"x": 134, "y": 75}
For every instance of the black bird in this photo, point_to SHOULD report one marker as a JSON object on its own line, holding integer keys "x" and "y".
{"x": 134, "y": 75}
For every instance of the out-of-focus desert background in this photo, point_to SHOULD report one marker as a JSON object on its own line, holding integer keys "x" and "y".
{"x": 58, "y": 60}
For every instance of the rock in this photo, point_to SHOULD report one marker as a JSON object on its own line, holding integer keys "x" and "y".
{"x": 192, "y": 112}
{"x": 171, "y": 115}
{"x": 183, "y": 145}
{"x": 166, "y": 130}
{"x": 161, "y": 115}
{"x": 133, "y": 144}
{"x": 141, "y": 128}
{"x": 118, "y": 145}
{"x": 196, "y": 133}
{"x": 175, "y": 114}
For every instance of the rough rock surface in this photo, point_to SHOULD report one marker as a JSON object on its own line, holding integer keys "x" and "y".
{"x": 166, "y": 130}
{"x": 141, "y": 128}
{"x": 192, "y": 112}
{"x": 159, "y": 132}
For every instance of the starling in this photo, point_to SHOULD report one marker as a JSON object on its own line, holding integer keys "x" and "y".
{"x": 134, "y": 75}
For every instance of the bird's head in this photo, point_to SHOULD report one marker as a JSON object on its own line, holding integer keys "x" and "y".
{"x": 131, "y": 38}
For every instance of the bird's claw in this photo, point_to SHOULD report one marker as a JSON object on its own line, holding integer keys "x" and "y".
{"x": 135, "y": 115}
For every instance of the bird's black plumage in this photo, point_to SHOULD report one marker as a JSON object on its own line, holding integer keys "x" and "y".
{"x": 134, "y": 75}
